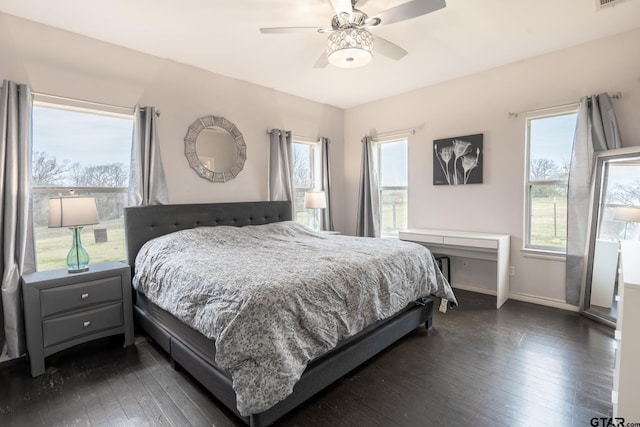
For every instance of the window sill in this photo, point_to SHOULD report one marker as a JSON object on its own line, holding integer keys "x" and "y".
{"x": 543, "y": 254}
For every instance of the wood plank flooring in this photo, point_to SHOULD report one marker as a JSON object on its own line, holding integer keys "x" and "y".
{"x": 522, "y": 365}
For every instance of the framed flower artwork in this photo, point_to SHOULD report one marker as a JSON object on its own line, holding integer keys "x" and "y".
{"x": 458, "y": 161}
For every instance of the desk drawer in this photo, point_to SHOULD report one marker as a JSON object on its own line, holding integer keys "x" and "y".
{"x": 63, "y": 298}
{"x": 86, "y": 322}
{"x": 476, "y": 243}
{"x": 422, "y": 238}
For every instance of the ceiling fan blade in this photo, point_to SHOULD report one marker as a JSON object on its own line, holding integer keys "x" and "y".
{"x": 388, "y": 49}
{"x": 281, "y": 30}
{"x": 322, "y": 62}
{"x": 342, "y": 6}
{"x": 408, "y": 10}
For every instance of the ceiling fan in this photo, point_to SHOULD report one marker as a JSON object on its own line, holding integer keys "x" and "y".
{"x": 350, "y": 43}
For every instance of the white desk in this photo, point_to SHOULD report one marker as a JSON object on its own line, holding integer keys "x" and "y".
{"x": 467, "y": 244}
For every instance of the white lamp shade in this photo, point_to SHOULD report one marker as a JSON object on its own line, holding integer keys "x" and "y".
{"x": 72, "y": 211}
{"x": 315, "y": 200}
{"x": 627, "y": 213}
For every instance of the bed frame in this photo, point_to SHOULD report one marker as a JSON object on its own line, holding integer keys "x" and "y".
{"x": 143, "y": 223}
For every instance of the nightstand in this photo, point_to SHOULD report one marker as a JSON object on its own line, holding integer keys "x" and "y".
{"x": 62, "y": 309}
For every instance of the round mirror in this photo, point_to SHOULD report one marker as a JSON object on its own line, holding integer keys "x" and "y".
{"x": 215, "y": 148}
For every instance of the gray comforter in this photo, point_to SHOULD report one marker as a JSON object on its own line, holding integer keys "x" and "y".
{"x": 274, "y": 297}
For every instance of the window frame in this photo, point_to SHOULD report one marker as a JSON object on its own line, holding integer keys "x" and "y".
{"x": 529, "y": 183}
{"x": 378, "y": 143}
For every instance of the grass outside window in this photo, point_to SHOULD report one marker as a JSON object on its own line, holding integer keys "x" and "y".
{"x": 393, "y": 212}
{"x": 549, "y": 222}
{"x": 53, "y": 244}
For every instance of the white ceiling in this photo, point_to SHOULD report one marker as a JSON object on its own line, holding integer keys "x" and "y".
{"x": 222, "y": 36}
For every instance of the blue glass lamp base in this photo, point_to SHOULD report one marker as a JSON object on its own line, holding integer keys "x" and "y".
{"x": 78, "y": 257}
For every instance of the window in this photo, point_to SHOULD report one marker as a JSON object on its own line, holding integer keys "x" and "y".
{"x": 393, "y": 183}
{"x": 87, "y": 151}
{"x": 306, "y": 176}
{"x": 550, "y": 144}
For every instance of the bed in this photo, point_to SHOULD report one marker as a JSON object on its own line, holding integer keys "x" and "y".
{"x": 205, "y": 355}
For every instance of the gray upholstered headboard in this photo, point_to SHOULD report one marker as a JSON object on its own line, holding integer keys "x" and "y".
{"x": 143, "y": 223}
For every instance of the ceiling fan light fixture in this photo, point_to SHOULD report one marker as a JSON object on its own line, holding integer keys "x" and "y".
{"x": 350, "y": 48}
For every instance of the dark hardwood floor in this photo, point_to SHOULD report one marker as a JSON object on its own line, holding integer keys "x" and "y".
{"x": 520, "y": 365}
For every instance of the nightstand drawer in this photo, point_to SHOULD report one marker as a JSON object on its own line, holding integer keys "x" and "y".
{"x": 86, "y": 322}
{"x": 63, "y": 298}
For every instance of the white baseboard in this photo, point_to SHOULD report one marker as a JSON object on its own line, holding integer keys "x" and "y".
{"x": 548, "y": 302}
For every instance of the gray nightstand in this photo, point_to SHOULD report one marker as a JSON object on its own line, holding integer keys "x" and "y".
{"x": 62, "y": 309}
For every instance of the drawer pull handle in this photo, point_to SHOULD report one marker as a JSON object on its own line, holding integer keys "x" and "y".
{"x": 86, "y": 323}
{"x": 85, "y": 296}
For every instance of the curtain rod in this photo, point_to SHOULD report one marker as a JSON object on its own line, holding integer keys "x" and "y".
{"x": 298, "y": 137}
{"x": 617, "y": 95}
{"x": 129, "y": 110}
{"x": 393, "y": 134}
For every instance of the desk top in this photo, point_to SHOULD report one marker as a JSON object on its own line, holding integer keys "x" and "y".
{"x": 452, "y": 233}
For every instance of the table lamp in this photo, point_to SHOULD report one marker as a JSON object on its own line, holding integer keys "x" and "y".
{"x": 74, "y": 212}
{"x": 627, "y": 214}
{"x": 315, "y": 200}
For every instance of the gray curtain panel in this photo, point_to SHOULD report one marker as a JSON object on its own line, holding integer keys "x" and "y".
{"x": 147, "y": 183}
{"x": 368, "y": 224}
{"x": 281, "y": 167}
{"x": 596, "y": 130}
{"x": 16, "y": 224}
{"x": 326, "y": 221}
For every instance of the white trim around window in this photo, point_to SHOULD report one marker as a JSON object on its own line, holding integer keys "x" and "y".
{"x": 545, "y": 182}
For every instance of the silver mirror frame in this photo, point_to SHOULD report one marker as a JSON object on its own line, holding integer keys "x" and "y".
{"x": 600, "y": 161}
{"x": 194, "y": 161}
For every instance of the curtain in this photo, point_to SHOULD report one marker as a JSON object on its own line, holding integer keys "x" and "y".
{"x": 147, "y": 183}
{"x": 16, "y": 224}
{"x": 368, "y": 224}
{"x": 596, "y": 130}
{"x": 326, "y": 221}
{"x": 281, "y": 167}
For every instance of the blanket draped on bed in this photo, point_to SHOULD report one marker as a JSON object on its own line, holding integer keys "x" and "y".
{"x": 274, "y": 297}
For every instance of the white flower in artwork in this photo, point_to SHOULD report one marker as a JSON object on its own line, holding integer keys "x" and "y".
{"x": 447, "y": 153}
{"x": 460, "y": 148}
{"x": 469, "y": 162}
{"x": 444, "y": 155}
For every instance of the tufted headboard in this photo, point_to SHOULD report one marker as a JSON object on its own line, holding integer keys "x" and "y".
{"x": 143, "y": 223}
